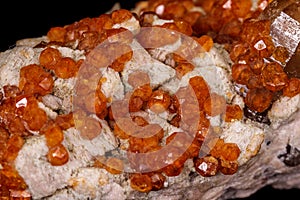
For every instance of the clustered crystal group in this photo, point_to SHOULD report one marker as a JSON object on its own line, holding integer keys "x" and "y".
{"x": 229, "y": 22}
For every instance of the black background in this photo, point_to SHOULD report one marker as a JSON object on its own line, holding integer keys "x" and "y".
{"x": 25, "y": 19}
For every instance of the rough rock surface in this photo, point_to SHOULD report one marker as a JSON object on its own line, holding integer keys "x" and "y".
{"x": 270, "y": 155}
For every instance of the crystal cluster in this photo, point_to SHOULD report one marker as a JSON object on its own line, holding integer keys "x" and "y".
{"x": 232, "y": 23}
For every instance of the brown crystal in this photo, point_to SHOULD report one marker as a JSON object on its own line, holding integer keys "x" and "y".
{"x": 65, "y": 121}
{"x": 66, "y": 68}
{"x": 157, "y": 180}
{"x": 206, "y": 42}
{"x": 200, "y": 88}
{"x": 53, "y": 133}
{"x": 14, "y": 144}
{"x": 259, "y": 99}
{"x": 241, "y": 8}
{"x": 57, "y": 34}
{"x": 206, "y": 166}
{"x": 273, "y": 76}
{"x": 49, "y": 57}
{"x": 141, "y": 182}
{"x": 241, "y": 73}
{"x": 292, "y": 88}
{"x": 120, "y": 15}
{"x": 34, "y": 80}
{"x": 159, "y": 101}
{"x": 228, "y": 167}
{"x": 226, "y": 151}
{"x": 58, "y": 155}
{"x": 281, "y": 54}
{"x": 215, "y": 104}
{"x": 233, "y": 112}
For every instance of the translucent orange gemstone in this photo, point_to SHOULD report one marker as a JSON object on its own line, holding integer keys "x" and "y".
{"x": 120, "y": 35}
{"x": 141, "y": 182}
{"x": 215, "y": 104}
{"x": 259, "y": 99}
{"x": 238, "y": 49}
{"x": 264, "y": 46}
{"x": 273, "y": 76}
{"x": 142, "y": 145}
{"x": 159, "y": 101}
{"x": 65, "y": 121}
{"x": 49, "y": 57}
{"x": 255, "y": 81}
{"x": 188, "y": 4}
{"x": 281, "y": 54}
{"x": 66, "y": 68}
{"x": 183, "y": 68}
{"x": 16, "y": 126}
{"x": 100, "y": 104}
{"x": 157, "y": 180}
{"x": 206, "y": 166}
{"x": 174, "y": 106}
{"x": 174, "y": 169}
{"x": 200, "y": 88}
{"x": 207, "y": 5}
{"x": 123, "y": 129}
{"x": 11, "y": 91}
{"x": 253, "y": 29}
{"x": 158, "y": 36}
{"x": 206, "y": 42}
{"x": 57, "y": 34}
{"x": 120, "y": 15}
{"x": 252, "y": 59}
{"x": 58, "y": 155}
{"x": 34, "y": 80}
{"x": 53, "y": 133}
{"x": 184, "y": 27}
{"x": 293, "y": 88}
{"x": 14, "y": 144}
{"x": 135, "y": 104}
{"x": 144, "y": 92}
{"x": 174, "y": 10}
{"x": 88, "y": 41}
{"x": 11, "y": 179}
{"x": 226, "y": 151}
{"x": 119, "y": 64}
{"x": 4, "y": 136}
{"x": 175, "y": 121}
{"x": 241, "y": 8}
{"x": 228, "y": 167}
{"x": 233, "y": 112}
{"x": 241, "y": 73}
{"x": 104, "y": 21}
{"x": 191, "y": 17}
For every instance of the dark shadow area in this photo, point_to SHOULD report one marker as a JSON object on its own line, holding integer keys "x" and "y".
{"x": 268, "y": 192}
{"x": 27, "y": 19}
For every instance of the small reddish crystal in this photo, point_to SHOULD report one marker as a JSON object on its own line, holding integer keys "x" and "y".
{"x": 58, "y": 155}
{"x": 141, "y": 182}
{"x": 206, "y": 166}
